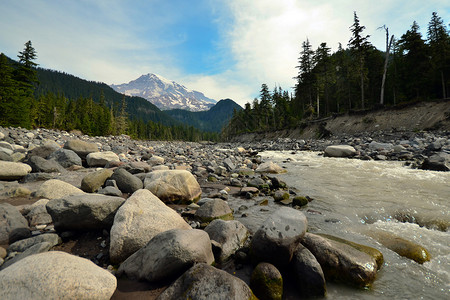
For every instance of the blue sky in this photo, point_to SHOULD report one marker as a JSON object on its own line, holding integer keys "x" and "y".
{"x": 223, "y": 48}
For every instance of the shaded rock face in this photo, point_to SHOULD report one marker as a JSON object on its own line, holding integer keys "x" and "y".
{"x": 54, "y": 189}
{"x": 12, "y": 170}
{"x": 173, "y": 185}
{"x": 266, "y": 282}
{"x": 127, "y": 182}
{"x": 56, "y": 275}
{"x": 202, "y": 282}
{"x": 66, "y": 158}
{"x": 340, "y": 151}
{"x": 81, "y": 148}
{"x": 84, "y": 212}
{"x": 168, "y": 255}
{"x": 13, "y": 226}
{"x": 341, "y": 262}
{"x": 437, "y": 162}
{"x": 276, "y": 240}
{"x": 138, "y": 220}
{"x": 231, "y": 235}
{"x": 308, "y": 273}
{"x": 39, "y": 164}
{"x": 214, "y": 209}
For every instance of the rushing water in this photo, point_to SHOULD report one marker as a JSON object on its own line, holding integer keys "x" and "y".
{"x": 353, "y": 198}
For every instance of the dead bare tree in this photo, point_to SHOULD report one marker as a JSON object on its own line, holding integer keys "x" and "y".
{"x": 388, "y": 49}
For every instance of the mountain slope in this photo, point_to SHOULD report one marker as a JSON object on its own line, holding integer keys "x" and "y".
{"x": 212, "y": 120}
{"x": 165, "y": 94}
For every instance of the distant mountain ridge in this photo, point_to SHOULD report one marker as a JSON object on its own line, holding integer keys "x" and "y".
{"x": 165, "y": 94}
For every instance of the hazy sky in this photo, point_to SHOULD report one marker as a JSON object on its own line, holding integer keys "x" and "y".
{"x": 225, "y": 49}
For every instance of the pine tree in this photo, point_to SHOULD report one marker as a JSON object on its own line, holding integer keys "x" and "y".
{"x": 10, "y": 95}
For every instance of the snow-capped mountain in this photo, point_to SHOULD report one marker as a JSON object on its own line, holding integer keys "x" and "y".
{"x": 165, "y": 94}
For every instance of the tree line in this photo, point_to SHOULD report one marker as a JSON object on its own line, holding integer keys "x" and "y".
{"x": 25, "y": 103}
{"x": 358, "y": 77}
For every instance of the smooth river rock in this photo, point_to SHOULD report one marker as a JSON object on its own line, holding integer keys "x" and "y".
{"x": 126, "y": 182}
{"x": 13, "y": 170}
{"x": 340, "y": 151}
{"x": 81, "y": 148}
{"x": 95, "y": 180}
{"x": 168, "y": 255}
{"x": 56, "y": 275}
{"x": 138, "y": 220}
{"x": 266, "y": 282}
{"x": 101, "y": 159}
{"x": 55, "y": 189}
{"x": 214, "y": 209}
{"x": 13, "y": 226}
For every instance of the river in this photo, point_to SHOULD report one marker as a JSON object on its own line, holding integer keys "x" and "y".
{"x": 353, "y": 198}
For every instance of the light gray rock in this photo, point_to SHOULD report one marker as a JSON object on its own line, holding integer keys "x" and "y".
{"x": 155, "y": 160}
{"x": 38, "y": 213}
{"x": 13, "y": 226}
{"x": 84, "y": 212}
{"x": 229, "y": 164}
{"x": 137, "y": 221}
{"x": 13, "y": 170}
{"x": 56, "y": 275}
{"x": 110, "y": 191}
{"x": 66, "y": 158}
{"x": 308, "y": 273}
{"x": 173, "y": 185}
{"x": 340, "y": 151}
{"x": 231, "y": 235}
{"x": 101, "y": 159}
{"x": 5, "y": 156}
{"x": 277, "y": 238}
{"x": 342, "y": 262}
{"x": 6, "y": 145}
{"x": 270, "y": 167}
{"x": 266, "y": 282}
{"x": 20, "y": 246}
{"x": 54, "y": 189}
{"x": 168, "y": 255}
{"x": 81, "y": 148}
{"x": 203, "y": 282}
{"x": 380, "y": 146}
{"x": 127, "y": 182}
{"x": 214, "y": 209}
{"x": 93, "y": 181}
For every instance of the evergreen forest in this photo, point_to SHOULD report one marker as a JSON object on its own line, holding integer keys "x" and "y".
{"x": 359, "y": 77}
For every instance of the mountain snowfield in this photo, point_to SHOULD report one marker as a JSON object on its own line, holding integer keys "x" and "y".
{"x": 165, "y": 94}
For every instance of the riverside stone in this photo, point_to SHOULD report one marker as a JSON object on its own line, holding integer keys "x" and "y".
{"x": 101, "y": 159}
{"x": 204, "y": 282}
{"x": 84, "y": 212}
{"x": 66, "y": 158}
{"x": 126, "y": 182}
{"x": 173, "y": 185}
{"x": 39, "y": 164}
{"x": 266, "y": 282}
{"x": 13, "y": 226}
{"x": 56, "y": 275}
{"x": 20, "y": 246}
{"x": 81, "y": 148}
{"x": 342, "y": 262}
{"x": 137, "y": 221}
{"x": 13, "y": 170}
{"x": 214, "y": 209}
{"x": 340, "y": 151}
{"x": 231, "y": 235}
{"x": 93, "y": 181}
{"x": 35, "y": 249}
{"x": 278, "y": 237}
{"x": 270, "y": 167}
{"x": 437, "y": 162}
{"x": 38, "y": 213}
{"x": 308, "y": 273}
{"x": 54, "y": 189}
{"x": 168, "y": 255}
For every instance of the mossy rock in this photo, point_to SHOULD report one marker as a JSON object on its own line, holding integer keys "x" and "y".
{"x": 300, "y": 201}
{"x": 212, "y": 179}
{"x": 280, "y": 195}
{"x": 266, "y": 282}
{"x": 376, "y": 254}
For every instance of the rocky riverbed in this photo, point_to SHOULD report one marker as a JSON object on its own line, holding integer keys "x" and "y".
{"x": 120, "y": 218}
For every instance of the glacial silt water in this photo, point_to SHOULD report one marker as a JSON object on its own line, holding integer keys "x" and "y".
{"x": 354, "y": 198}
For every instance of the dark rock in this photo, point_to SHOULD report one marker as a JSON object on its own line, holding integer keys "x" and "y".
{"x": 13, "y": 226}
{"x": 126, "y": 182}
{"x": 66, "y": 158}
{"x": 307, "y": 273}
{"x": 39, "y": 164}
{"x": 266, "y": 282}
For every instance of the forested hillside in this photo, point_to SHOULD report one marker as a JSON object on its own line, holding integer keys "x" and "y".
{"x": 358, "y": 77}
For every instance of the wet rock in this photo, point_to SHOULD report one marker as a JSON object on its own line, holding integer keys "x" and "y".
{"x": 173, "y": 186}
{"x": 308, "y": 273}
{"x": 205, "y": 282}
{"x": 231, "y": 235}
{"x": 437, "y": 162}
{"x": 126, "y": 182}
{"x": 56, "y": 275}
{"x": 402, "y": 247}
{"x": 340, "y": 151}
{"x": 13, "y": 170}
{"x": 215, "y": 209}
{"x": 168, "y": 255}
{"x": 276, "y": 240}
{"x": 270, "y": 167}
{"x": 137, "y": 221}
{"x": 54, "y": 189}
{"x": 266, "y": 282}
{"x": 13, "y": 226}
{"x": 81, "y": 148}
{"x": 84, "y": 212}
{"x": 66, "y": 158}
{"x": 93, "y": 181}
{"x": 101, "y": 159}
{"x": 280, "y": 195}
{"x": 341, "y": 262}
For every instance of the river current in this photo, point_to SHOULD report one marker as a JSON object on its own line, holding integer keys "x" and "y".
{"x": 353, "y": 198}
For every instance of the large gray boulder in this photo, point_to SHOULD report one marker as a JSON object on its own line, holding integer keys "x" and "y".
{"x": 137, "y": 221}
{"x": 173, "y": 185}
{"x": 437, "y": 162}
{"x": 81, "y": 148}
{"x": 214, "y": 209}
{"x": 204, "y": 282}
{"x": 126, "y": 182}
{"x": 231, "y": 235}
{"x": 56, "y": 275}
{"x": 42, "y": 165}
{"x": 13, "y": 170}
{"x": 307, "y": 273}
{"x": 66, "y": 158}
{"x": 340, "y": 151}
{"x": 84, "y": 212}
{"x": 342, "y": 262}
{"x": 101, "y": 159}
{"x": 275, "y": 241}
{"x": 168, "y": 255}
{"x": 55, "y": 189}
{"x": 95, "y": 180}
{"x": 13, "y": 226}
